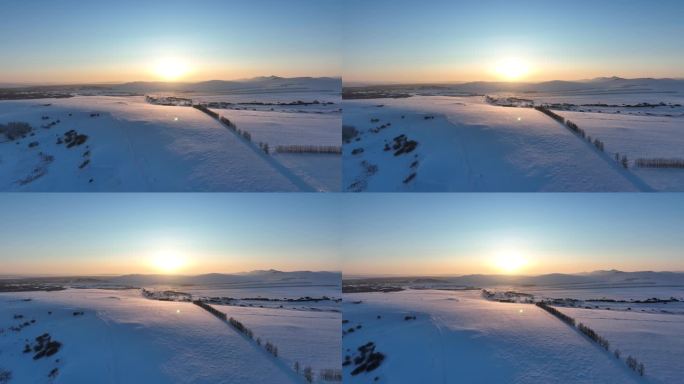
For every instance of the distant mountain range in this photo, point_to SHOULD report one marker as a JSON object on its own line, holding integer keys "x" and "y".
{"x": 604, "y": 84}
{"x": 552, "y": 279}
{"x": 257, "y": 84}
{"x": 259, "y": 276}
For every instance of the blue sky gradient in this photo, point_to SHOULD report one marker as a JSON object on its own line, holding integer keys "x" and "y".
{"x": 73, "y": 40}
{"x": 360, "y": 234}
{"x": 442, "y": 40}
{"x": 463, "y": 233}
{"x": 120, "y": 233}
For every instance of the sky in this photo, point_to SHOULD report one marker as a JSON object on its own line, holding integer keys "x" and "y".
{"x": 523, "y": 234}
{"x": 503, "y": 40}
{"x": 369, "y": 234}
{"x": 82, "y": 234}
{"x": 72, "y": 41}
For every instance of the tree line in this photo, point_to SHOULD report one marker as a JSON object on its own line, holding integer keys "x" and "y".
{"x": 332, "y": 149}
{"x": 241, "y": 328}
{"x": 631, "y": 361}
{"x": 562, "y": 316}
{"x": 210, "y": 309}
{"x": 270, "y": 347}
{"x": 590, "y": 333}
{"x": 206, "y": 110}
{"x": 659, "y": 163}
{"x": 233, "y": 127}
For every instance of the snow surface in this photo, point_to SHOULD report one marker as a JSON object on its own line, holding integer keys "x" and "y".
{"x": 459, "y": 337}
{"x": 136, "y": 146}
{"x": 472, "y": 146}
{"x": 311, "y": 338}
{"x": 124, "y": 338}
{"x": 639, "y": 137}
{"x": 323, "y": 171}
{"x": 653, "y": 339}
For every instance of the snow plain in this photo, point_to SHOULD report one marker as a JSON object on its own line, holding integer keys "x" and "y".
{"x": 654, "y": 339}
{"x": 134, "y": 146}
{"x": 158, "y": 336}
{"x": 311, "y": 338}
{"x": 321, "y": 171}
{"x": 471, "y": 146}
{"x": 639, "y": 137}
{"x": 465, "y": 144}
{"x": 124, "y": 338}
{"x": 458, "y": 336}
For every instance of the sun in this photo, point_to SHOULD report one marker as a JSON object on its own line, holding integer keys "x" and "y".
{"x": 510, "y": 262}
{"x": 168, "y": 262}
{"x": 512, "y": 69}
{"x": 171, "y": 69}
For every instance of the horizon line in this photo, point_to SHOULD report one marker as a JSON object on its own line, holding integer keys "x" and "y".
{"x": 461, "y": 82}
{"x": 372, "y": 275}
{"x": 120, "y": 82}
{"x": 63, "y": 275}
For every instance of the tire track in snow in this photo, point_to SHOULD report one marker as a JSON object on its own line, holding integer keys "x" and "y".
{"x": 438, "y": 322}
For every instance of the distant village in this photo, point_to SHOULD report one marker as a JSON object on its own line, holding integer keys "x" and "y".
{"x": 170, "y": 101}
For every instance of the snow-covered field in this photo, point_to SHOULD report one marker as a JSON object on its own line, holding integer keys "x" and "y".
{"x": 464, "y": 144}
{"x": 485, "y": 136}
{"x": 267, "y": 284}
{"x": 653, "y": 339}
{"x": 123, "y": 338}
{"x": 457, "y": 336}
{"x": 308, "y": 337}
{"x": 135, "y": 146}
{"x": 157, "y": 334}
{"x": 489, "y": 328}
{"x": 275, "y": 128}
{"x": 304, "y": 291}
{"x": 639, "y": 137}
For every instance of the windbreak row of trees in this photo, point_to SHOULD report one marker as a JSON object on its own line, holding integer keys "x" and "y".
{"x": 233, "y": 127}
{"x": 206, "y": 110}
{"x": 659, "y": 163}
{"x": 325, "y": 149}
{"x": 631, "y": 362}
{"x": 590, "y": 333}
{"x": 227, "y": 122}
{"x": 562, "y": 316}
{"x": 636, "y": 366}
{"x": 270, "y": 347}
{"x": 600, "y": 145}
{"x": 242, "y": 328}
{"x": 210, "y": 309}
{"x": 332, "y": 149}
{"x": 551, "y": 114}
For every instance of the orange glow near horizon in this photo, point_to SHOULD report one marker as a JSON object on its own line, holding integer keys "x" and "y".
{"x": 167, "y": 261}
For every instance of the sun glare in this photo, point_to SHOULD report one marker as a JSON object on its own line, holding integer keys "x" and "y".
{"x": 512, "y": 69}
{"x": 171, "y": 69}
{"x": 168, "y": 262}
{"x": 510, "y": 262}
